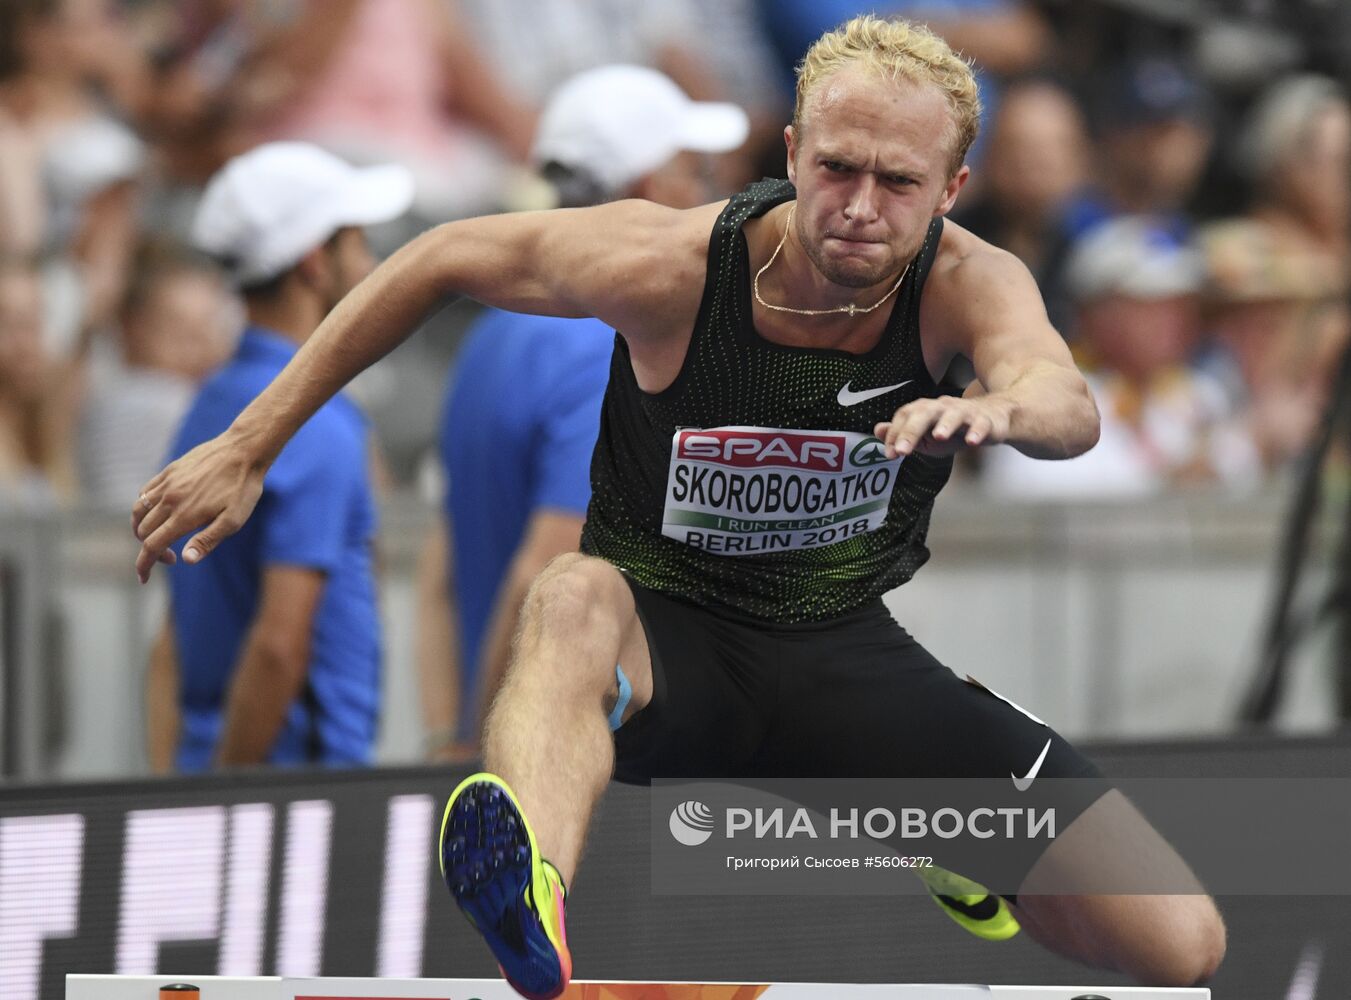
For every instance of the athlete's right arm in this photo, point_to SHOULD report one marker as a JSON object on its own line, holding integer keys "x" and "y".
{"x": 634, "y": 265}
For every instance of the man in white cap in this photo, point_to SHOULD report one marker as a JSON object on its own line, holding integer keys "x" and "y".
{"x": 523, "y": 406}
{"x": 630, "y": 132}
{"x": 272, "y": 653}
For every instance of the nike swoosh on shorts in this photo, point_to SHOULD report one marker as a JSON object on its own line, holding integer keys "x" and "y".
{"x": 1025, "y": 782}
{"x": 850, "y": 397}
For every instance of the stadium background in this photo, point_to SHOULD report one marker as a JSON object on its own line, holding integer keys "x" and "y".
{"x": 1134, "y": 623}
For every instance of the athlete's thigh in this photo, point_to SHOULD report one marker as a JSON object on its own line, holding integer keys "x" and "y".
{"x": 712, "y": 681}
{"x": 1113, "y": 889}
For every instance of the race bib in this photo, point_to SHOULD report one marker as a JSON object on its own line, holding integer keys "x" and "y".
{"x": 746, "y": 490}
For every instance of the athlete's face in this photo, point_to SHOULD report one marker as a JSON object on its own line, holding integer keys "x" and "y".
{"x": 872, "y": 167}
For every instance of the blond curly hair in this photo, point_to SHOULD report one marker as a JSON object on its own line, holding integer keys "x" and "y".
{"x": 897, "y": 50}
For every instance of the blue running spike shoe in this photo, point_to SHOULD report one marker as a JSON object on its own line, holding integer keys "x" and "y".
{"x": 511, "y": 895}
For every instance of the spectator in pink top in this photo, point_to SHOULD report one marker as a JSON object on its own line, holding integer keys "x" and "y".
{"x": 370, "y": 80}
{"x": 401, "y": 80}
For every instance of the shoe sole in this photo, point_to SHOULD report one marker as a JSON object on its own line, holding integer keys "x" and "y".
{"x": 488, "y": 860}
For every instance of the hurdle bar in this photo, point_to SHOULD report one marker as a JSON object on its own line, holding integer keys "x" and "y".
{"x": 90, "y": 987}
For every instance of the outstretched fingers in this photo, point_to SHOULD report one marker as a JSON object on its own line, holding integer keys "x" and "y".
{"x": 948, "y": 423}
{"x": 157, "y": 512}
{"x": 211, "y": 491}
{"x": 908, "y": 427}
{"x": 155, "y": 548}
{"x": 940, "y": 426}
{"x": 979, "y": 430}
{"x": 155, "y": 545}
{"x": 145, "y": 501}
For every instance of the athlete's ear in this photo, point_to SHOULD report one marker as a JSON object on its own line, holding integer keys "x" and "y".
{"x": 790, "y": 140}
{"x": 955, "y": 184}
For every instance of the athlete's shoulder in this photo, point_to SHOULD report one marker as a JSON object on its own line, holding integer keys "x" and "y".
{"x": 970, "y": 273}
{"x": 647, "y": 218}
{"x": 972, "y": 283}
{"x": 697, "y": 224}
{"x": 648, "y": 268}
{"x": 626, "y": 236}
{"x": 964, "y": 258}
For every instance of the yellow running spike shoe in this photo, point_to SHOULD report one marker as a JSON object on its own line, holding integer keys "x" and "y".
{"x": 970, "y": 904}
{"x": 512, "y": 896}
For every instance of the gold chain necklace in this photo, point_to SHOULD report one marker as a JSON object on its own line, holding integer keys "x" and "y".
{"x": 849, "y": 310}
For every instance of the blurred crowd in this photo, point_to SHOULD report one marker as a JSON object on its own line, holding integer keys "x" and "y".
{"x": 1189, "y": 227}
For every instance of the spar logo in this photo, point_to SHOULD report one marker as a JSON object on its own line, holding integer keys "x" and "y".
{"x": 746, "y": 448}
{"x": 691, "y": 823}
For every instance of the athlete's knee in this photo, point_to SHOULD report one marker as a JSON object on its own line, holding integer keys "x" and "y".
{"x": 1185, "y": 942}
{"x": 1167, "y": 941}
{"x": 580, "y": 596}
{"x": 1199, "y": 942}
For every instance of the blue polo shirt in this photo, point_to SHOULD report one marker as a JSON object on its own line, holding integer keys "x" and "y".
{"x": 316, "y": 511}
{"x": 520, "y": 421}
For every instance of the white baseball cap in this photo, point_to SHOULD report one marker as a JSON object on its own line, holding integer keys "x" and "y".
{"x": 264, "y": 210}
{"x": 1134, "y": 257}
{"x": 618, "y": 123}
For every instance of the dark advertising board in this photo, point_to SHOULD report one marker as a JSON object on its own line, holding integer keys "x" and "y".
{"x": 327, "y": 873}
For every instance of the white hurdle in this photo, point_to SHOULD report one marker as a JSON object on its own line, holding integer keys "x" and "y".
{"x": 86, "y": 987}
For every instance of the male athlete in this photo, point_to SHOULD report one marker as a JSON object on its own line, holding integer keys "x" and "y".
{"x": 714, "y": 618}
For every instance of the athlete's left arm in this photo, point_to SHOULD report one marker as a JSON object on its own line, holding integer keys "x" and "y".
{"x": 986, "y": 306}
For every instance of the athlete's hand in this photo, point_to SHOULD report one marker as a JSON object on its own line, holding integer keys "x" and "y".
{"x": 213, "y": 487}
{"x": 944, "y": 425}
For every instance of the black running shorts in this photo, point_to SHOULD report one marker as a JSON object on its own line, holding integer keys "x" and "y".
{"x": 852, "y": 697}
{"x": 855, "y": 696}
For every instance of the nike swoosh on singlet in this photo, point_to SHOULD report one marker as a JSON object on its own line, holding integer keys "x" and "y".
{"x": 849, "y": 397}
{"x": 1025, "y": 782}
